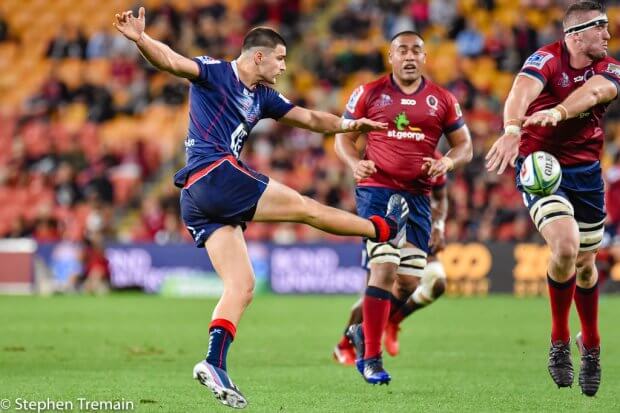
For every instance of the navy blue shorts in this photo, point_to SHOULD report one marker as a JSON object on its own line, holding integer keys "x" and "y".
{"x": 582, "y": 186}
{"x": 374, "y": 200}
{"x": 225, "y": 192}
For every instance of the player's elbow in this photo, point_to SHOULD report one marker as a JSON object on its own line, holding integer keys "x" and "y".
{"x": 602, "y": 94}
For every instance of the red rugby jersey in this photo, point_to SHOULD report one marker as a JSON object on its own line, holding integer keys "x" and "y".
{"x": 578, "y": 140}
{"x": 415, "y": 121}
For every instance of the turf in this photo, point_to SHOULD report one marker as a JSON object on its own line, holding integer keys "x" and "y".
{"x": 476, "y": 354}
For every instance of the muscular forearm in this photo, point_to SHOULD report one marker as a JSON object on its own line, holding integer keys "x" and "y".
{"x": 596, "y": 91}
{"x": 324, "y": 122}
{"x": 157, "y": 53}
{"x": 523, "y": 92}
{"x": 461, "y": 153}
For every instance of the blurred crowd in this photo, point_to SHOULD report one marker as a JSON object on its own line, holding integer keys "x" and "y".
{"x": 88, "y": 150}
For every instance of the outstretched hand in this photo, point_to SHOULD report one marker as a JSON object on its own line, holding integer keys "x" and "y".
{"x": 131, "y": 27}
{"x": 366, "y": 125}
{"x": 504, "y": 152}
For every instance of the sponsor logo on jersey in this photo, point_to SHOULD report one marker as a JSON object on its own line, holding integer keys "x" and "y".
{"x": 385, "y": 100}
{"x": 408, "y": 102}
{"x": 404, "y": 131}
{"x": 432, "y": 103}
{"x": 207, "y": 60}
{"x": 587, "y": 75}
{"x": 538, "y": 60}
{"x": 564, "y": 80}
{"x": 613, "y": 69}
{"x": 355, "y": 97}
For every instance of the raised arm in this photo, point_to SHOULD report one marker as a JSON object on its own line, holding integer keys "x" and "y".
{"x": 596, "y": 90}
{"x": 157, "y": 53}
{"x": 324, "y": 122}
{"x": 505, "y": 150}
{"x": 349, "y": 154}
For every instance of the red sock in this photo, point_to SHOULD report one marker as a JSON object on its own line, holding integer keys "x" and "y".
{"x": 376, "y": 310}
{"x": 560, "y": 297}
{"x": 586, "y": 300}
{"x": 344, "y": 342}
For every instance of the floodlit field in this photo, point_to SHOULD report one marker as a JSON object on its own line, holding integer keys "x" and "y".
{"x": 475, "y": 354}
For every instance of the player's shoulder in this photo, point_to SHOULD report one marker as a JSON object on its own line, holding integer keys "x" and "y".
{"x": 608, "y": 64}
{"x": 432, "y": 88}
{"x": 544, "y": 55}
{"x": 367, "y": 90}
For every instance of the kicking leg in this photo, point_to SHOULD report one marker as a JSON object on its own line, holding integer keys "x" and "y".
{"x": 281, "y": 203}
{"x": 228, "y": 253}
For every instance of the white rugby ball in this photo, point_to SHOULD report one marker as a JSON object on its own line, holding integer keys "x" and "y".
{"x": 541, "y": 174}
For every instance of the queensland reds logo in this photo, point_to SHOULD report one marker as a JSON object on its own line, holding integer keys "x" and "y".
{"x": 432, "y": 102}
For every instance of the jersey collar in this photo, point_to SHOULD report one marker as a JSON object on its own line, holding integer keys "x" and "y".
{"x": 420, "y": 86}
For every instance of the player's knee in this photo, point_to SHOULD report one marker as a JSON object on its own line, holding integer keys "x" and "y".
{"x": 586, "y": 273}
{"x": 306, "y": 210}
{"x": 439, "y": 287}
{"x": 383, "y": 275}
{"x": 564, "y": 252}
{"x": 404, "y": 285}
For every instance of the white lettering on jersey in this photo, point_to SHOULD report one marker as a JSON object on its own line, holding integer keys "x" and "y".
{"x": 409, "y": 102}
{"x": 207, "y": 60}
{"x": 237, "y": 138}
{"x": 417, "y": 136}
{"x": 538, "y": 60}
{"x": 355, "y": 96}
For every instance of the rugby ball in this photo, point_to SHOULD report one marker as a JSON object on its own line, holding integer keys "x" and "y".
{"x": 540, "y": 174}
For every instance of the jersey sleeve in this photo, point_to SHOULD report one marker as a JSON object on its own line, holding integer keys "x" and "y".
{"x": 276, "y": 105}
{"x": 208, "y": 67}
{"x": 610, "y": 69}
{"x": 453, "y": 118}
{"x": 539, "y": 66}
{"x": 356, "y": 106}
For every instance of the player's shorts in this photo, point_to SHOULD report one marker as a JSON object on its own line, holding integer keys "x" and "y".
{"x": 225, "y": 192}
{"x": 374, "y": 200}
{"x": 583, "y": 189}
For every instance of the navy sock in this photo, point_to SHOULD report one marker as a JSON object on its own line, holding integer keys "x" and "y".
{"x": 219, "y": 342}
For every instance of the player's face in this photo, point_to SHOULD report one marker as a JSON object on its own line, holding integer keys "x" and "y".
{"x": 407, "y": 57}
{"x": 593, "y": 41}
{"x": 272, "y": 63}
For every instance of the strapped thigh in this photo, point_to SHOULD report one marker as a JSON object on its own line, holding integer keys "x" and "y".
{"x": 591, "y": 235}
{"x": 412, "y": 262}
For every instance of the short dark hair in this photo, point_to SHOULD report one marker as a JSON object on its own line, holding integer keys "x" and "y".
{"x": 262, "y": 37}
{"x": 581, "y": 7}
{"x": 404, "y": 32}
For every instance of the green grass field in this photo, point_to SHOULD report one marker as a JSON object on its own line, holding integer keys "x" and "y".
{"x": 477, "y": 354}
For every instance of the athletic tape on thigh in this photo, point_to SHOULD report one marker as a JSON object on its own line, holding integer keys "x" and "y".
{"x": 424, "y": 293}
{"x": 591, "y": 235}
{"x": 549, "y": 209}
{"x": 412, "y": 262}
{"x": 380, "y": 253}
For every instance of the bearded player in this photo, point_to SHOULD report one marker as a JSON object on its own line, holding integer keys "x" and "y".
{"x": 563, "y": 91}
{"x": 432, "y": 283}
{"x": 398, "y": 161}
